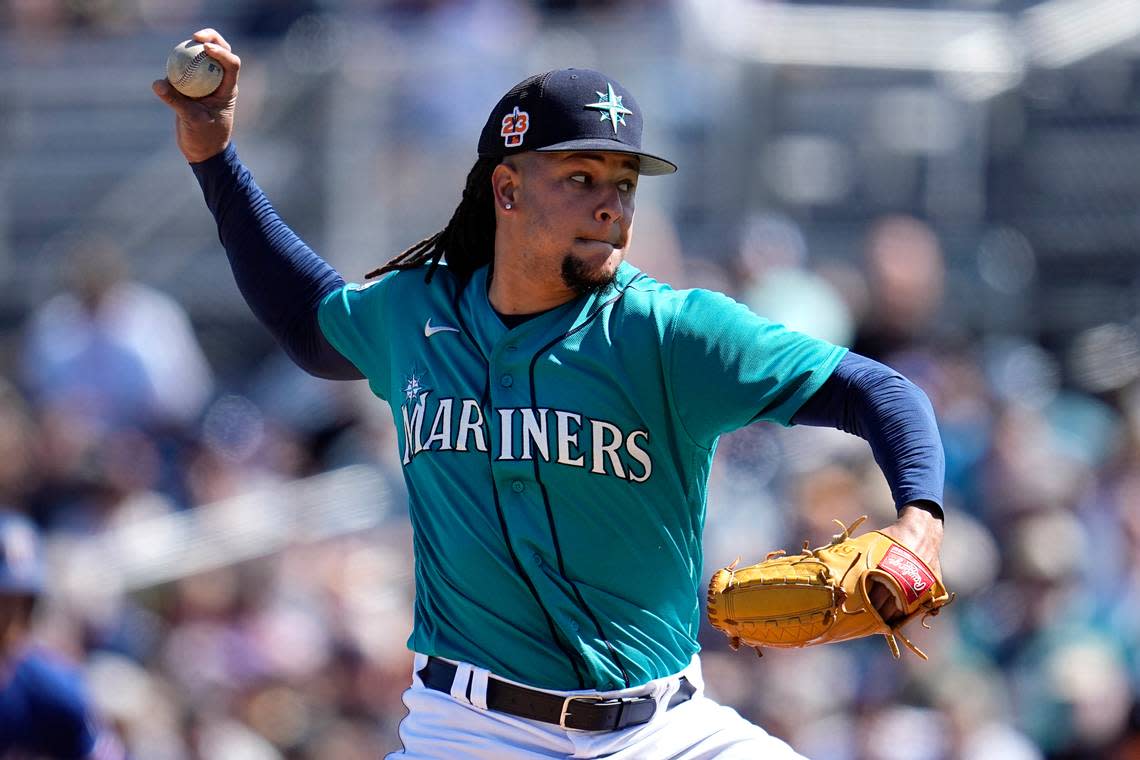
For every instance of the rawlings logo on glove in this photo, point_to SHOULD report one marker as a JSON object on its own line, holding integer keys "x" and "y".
{"x": 912, "y": 574}
{"x": 823, "y": 595}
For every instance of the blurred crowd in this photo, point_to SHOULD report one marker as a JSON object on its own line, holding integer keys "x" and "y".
{"x": 111, "y": 421}
{"x": 113, "y": 417}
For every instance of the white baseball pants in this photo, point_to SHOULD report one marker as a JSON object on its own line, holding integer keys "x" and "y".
{"x": 450, "y": 727}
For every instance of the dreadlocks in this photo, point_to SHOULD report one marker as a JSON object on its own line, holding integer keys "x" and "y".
{"x": 468, "y": 240}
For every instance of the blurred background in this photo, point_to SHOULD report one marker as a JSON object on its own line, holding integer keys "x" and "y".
{"x": 948, "y": 186}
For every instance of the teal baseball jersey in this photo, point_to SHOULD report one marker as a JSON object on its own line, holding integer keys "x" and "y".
{"x": 557, "y": 471}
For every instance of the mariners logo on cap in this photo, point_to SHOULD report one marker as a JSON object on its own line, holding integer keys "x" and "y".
{"x": 515, "y": 125}
{"x": 610, "y": 102}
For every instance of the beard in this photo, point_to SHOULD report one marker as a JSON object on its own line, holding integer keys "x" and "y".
{"x": 584, "y": 280}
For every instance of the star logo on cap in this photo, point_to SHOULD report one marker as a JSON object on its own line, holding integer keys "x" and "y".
{"x": 610, "y": 102}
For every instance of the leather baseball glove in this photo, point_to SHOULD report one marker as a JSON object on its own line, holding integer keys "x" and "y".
{"x": 823, "y": 595}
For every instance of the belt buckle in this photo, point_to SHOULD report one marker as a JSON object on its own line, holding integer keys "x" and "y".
{"x": 566, "y": 709}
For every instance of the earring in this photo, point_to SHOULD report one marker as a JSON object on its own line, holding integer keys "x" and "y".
{"x": 507, "y": 206}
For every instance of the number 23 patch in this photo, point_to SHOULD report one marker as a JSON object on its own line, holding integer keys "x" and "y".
{"x": 515, "y": 125}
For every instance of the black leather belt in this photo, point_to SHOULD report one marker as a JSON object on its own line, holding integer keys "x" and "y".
{"x": 582, "y": 713}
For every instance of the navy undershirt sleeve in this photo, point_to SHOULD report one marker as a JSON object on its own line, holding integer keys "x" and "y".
{"x": 281, "y": 278}
{"x": 870, "y": 400}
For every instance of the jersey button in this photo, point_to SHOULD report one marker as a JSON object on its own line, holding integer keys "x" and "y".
{"x": 518, "y": 487}
{"x": 507, "y": 381}
{"x": 537, "y": 558}
{"x": 574, "y": 625}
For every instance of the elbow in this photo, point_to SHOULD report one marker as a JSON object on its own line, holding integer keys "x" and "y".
{"x": 922, "y": 400}
{"x": 308, "y": 348}
{"x": 326, "y": 364}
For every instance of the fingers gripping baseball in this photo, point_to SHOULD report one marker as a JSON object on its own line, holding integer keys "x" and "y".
{"x": 203, "y": 126}
{"x": 211, "y": 35}
{"x": 220, "y": 50}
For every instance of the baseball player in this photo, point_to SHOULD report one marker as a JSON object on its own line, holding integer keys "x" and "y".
{"x": 43, "y": 710}
{"x": 557, "y": 411}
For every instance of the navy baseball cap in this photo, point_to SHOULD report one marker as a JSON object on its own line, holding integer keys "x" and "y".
{"x": 21, "y": 557}
{"x": 568, "y": 109}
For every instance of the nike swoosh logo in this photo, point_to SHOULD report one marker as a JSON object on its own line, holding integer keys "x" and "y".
{"x": 430, "y": 331}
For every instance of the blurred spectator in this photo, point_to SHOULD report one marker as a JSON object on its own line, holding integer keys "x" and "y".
{"x": 43, "y": 708}
{"x": 112, "y": 350}
{"x": 779, "y": 285}
{"x": 906, "y": 279}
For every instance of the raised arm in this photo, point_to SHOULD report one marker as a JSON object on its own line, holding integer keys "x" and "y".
{"x": 280, "y": 277}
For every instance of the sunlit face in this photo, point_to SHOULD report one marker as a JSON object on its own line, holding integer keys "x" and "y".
{"x": 577, "y": 209}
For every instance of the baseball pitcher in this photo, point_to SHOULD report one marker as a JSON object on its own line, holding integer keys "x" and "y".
{"x": 557, "y": 411}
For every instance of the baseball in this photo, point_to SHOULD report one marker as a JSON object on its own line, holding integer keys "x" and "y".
{"x": 191, "y": 71}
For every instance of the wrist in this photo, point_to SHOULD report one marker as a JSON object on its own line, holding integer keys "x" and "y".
{"x": 918, "y": 517}
{"x": 201, "y": 157}
{"x": 924, "y": 506}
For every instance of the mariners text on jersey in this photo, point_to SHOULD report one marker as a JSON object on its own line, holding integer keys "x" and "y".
{"x": 552, "y": 435}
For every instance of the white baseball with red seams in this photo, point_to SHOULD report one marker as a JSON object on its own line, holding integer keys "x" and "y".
{"x": 192, "y": 72}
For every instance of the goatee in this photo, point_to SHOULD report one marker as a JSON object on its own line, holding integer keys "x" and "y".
{"x": 582, "y": 280}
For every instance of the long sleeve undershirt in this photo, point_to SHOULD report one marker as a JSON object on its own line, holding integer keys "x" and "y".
{"x": 870, "y": 400}
{"x": 281, "y": 278}
{"x": 284, "y": 281}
